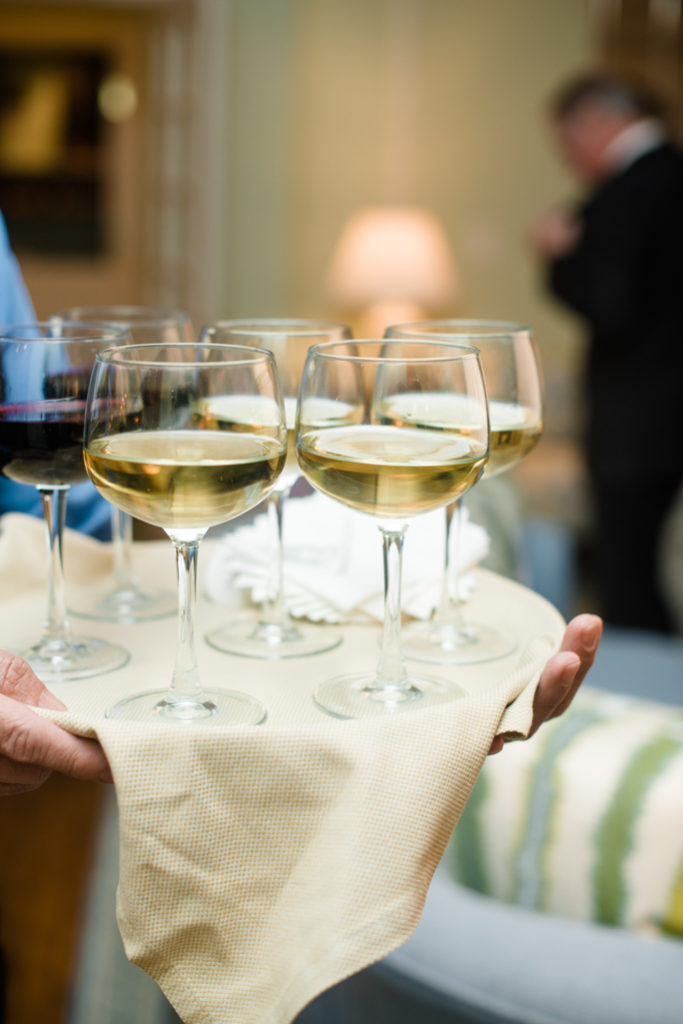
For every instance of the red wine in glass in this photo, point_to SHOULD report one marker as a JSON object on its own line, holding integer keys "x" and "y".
{"x": 44, "y": 376}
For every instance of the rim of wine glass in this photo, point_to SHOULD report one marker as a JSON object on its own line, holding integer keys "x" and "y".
{"x": 258, "y": 325}
{"x": 78, "y": 330}
{"x": 138, "y": 316}
{"x": 120, "y": 355}
{"x": 477, "y": 328}
{"x": 464, "y": 351}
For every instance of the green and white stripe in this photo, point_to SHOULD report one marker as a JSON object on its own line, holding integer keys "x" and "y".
{"x": 586, "y": 818}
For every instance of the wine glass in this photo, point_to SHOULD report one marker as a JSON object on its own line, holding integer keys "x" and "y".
{"x": 45, "y": 370}
{"x": 275, "y": 634}
{"x": 511, "y": 367}
{"x": 152, "y": 450}
{"x": 129, "y": 600}
{"x": 393, "y": 429}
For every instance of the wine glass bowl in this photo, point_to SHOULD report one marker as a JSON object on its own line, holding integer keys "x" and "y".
{"x": 152, "y": 451}
{"x": 392, "y": 429}
{"x": 514, "y": 386}
{"x": 129, "y": 600}
{"x": 46, "y": 370}
{"x": 274, "y": 634}
{"x": 145, "y": 324}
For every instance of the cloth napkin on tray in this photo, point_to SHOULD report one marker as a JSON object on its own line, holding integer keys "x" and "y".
{"x": 261, "y": 865}
{"x": 333, "y": 561}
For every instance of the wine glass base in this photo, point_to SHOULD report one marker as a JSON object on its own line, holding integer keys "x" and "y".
{"x": 81, "y": 657}
{"x": 128, "y": 605}
{"x": 358, "y": 696}
{"x": 273, "y": 641}
{"x": 447, "y": 645}
{"x": 211, "y": 707}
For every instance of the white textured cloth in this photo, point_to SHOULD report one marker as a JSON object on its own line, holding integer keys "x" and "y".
{"x": 260, "y": 865}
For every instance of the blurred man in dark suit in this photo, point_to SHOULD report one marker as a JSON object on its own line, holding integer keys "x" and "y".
{"x": 617, "y": 261}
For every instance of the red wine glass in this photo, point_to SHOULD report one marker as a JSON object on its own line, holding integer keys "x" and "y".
{"x": 44, "y": 375}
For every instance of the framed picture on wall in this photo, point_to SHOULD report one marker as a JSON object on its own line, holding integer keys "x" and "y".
{"x": 51, "y": 150}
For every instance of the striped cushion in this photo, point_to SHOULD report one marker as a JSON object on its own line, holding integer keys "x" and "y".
{"x": 585, "y": 819}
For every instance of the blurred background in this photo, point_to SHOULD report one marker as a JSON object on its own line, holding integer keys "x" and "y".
{"x": 212, "y": 156}
{"x": 241, "y": 158}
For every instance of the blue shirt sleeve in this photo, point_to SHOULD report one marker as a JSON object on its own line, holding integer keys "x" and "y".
{"x": 87, "y": 510}
{"x": 15, "y": 303}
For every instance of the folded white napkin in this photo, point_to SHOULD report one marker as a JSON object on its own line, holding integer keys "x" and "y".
{"x": 333, "y": 561}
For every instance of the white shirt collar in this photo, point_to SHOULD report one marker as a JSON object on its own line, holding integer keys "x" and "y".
{"x": 633, "y": 142}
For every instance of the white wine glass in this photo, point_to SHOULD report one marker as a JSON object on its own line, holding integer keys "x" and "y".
{"x": 128, "y": 599}
{"x": 392, "y": 429}
{"x": 512, "y": 374}
{"x": 151, "y": 450}
{"x": 275, "y": 634}
{"x": 45, "y": 371}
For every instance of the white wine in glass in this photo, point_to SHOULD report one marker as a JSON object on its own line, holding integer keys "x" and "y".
{"x": 275, "y": 634}
{"x": 151, "y": 451}
{"x": 387, "y": 471}
{"x": 129, "y": 599}
{"x": 393, "y": 470}
{"x": 512, "y": 374}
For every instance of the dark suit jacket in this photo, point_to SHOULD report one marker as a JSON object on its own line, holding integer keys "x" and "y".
{"x": 625, "y": 278}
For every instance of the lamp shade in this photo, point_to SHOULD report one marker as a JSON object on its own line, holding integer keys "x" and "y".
{"x": 393, "y": 254}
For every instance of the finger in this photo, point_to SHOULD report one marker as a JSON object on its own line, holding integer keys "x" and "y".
{"x": 555, "y": 683}
{"x": 497, "y": 744}
{"x": 564, "y": 672}
{"x": 555, "y": 687}
{"x": 31, "y": 740}
{"x": 582, "y": 636}
{"x": 20, "y": 778}
{"x": 18, "y": 680}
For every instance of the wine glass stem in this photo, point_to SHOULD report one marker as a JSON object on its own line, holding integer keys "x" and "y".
{"x": 56, "y": 626}
{"x": 449, "y": 611}
{"x": 122, "y": 544}
{"x": 185, "y": 681}
{"x": 391, "y": 668}
{"x": 273, "y": 612}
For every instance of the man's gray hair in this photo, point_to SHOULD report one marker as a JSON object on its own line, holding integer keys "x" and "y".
{"x": 617, "y": 93}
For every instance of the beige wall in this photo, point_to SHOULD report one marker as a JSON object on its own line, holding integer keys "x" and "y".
{"x": 336, "y": 103}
